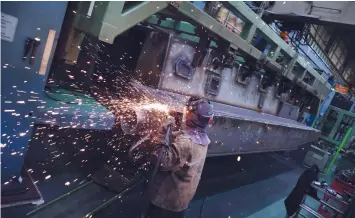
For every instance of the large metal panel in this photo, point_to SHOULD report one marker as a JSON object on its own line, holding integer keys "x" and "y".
{"x": 234, "y": 135}
{"x": 161, "y": 71}
{"x": 20, "y": 79}
{"x": 23, "y": 99}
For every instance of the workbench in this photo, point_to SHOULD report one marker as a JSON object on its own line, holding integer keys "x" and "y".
{"x": 337, "y": 203}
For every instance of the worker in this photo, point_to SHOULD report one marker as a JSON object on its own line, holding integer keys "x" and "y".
{"x": 284, "y": 36}
{"x": 303, "y": 187}
{"x": 182, "y": 162}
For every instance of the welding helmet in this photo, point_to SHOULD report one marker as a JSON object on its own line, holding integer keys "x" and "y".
{"x": 199, "y": 112}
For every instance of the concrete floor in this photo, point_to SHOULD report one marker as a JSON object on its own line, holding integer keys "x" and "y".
{"x": 261, "y": 199}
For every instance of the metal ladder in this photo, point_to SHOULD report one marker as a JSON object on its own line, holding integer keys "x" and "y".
{"x": 310, "y": 210}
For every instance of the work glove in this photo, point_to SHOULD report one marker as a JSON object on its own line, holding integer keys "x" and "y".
{"x": 170, "y": 121}
{"x": 160, "y": 137}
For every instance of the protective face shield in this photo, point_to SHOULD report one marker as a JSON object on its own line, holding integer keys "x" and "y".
{"x": 199, "y": 113}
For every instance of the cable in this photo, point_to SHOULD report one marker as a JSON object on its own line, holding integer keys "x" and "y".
{"x": 59, "y": 198}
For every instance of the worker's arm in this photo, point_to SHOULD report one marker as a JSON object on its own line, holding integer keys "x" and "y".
{"x": 173, "y": 156}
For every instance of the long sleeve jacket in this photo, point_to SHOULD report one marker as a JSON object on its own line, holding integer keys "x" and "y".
{"x": 179, "y": 174}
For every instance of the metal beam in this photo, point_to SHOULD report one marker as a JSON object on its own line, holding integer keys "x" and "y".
{"x": 200, "y": 17}
{"x": 241, "y": 8}
{"x": 256, "y": 21}
{"x": 115, "y": 22}
{"x": 108, "y": 19}
{"x": 251, "y": 33}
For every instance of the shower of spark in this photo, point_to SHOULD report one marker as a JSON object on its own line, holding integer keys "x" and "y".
{"x": 155, "y": 106}
{"x": 67, "y": 143}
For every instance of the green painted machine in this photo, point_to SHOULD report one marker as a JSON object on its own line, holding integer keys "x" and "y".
{"x": 109, "y": 19}
{"x": 336, "y": 124}
{"x": 221, "y": 51}
{"x": 333, "y": 152}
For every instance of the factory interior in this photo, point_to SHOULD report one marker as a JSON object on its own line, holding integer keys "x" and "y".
{"x": 86, "y": 86}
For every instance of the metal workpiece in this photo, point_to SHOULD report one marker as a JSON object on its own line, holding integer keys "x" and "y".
{"x": 177, "y": 101}
{"x": 238, "y": 136}
{"x": 236, "y": 130}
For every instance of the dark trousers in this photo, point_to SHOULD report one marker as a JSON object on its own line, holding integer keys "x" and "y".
{"x": 157, "y": 212}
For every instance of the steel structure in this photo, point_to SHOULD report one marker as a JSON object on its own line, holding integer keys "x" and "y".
{"x": 330, "y": 28}
{"x": 107, "y": 24}
{"x": 336, "y": 13}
